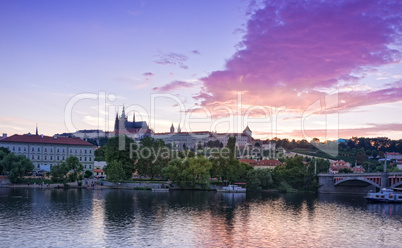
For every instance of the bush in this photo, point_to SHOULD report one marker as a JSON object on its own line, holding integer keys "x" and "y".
{"x": 88, "y": 174}
{"x": 79, "y": 183}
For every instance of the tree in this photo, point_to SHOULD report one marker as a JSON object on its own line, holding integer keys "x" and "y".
{"x": 3, "y": 153}
{"x": 16, "y": 166}
{"x": 232, "y": 148}
{"x": 259, "y": 179}
{"x": 59, "y": 173}
{"x": 100, "y": 153}
{"x": 361, "y": 157}
{"x": 115, "y": 171}
{"x": 124, "y": 150}
{"x": 74, "y": 165}
{"x": 88, "y": 174}
{"x": 189, "y": 172}
{"x": 153, "y": 157}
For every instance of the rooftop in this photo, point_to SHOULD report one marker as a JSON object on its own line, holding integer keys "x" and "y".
{"x": 46, "y": 140}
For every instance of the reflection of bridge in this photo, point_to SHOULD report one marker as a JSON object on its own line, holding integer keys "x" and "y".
{"x": 358, "y": 183}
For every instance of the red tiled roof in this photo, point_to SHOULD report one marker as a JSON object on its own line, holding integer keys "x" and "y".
{"x": 46, "y": 140}
{"x": 98, "y": 170}
{"x": 270, "y": 162}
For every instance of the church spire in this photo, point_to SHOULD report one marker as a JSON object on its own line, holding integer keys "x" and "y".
{"x": 123, "y": 114}
{"x": 134, "y": 117}
{"x": 172, "y": 129}
{"x": 179, "y": 129}
{"x": 36, "y": 133}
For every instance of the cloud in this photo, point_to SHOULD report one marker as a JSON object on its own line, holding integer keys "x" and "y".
{"x": 172, "y": 59}
{"x": 196, "y": 52}
{"x": 173, "y": 86}
{"x": 294, "y": 52}
{"x": 148, "y": 74}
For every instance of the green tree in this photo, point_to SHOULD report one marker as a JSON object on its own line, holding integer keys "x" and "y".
{"x": 73, "y": 164}
{"x": 122, "y": 149}
{"x": 3, "y": 153}
{"x": 100, "y": 153}
{"x": 259, "y": 179}
{"x": 59, "y": 173}
{"x": 153, "y": 157}
{"x": 189, "y": 172}
{"x": 88, "y": 174}
{"x": 16, "y": 166}
{"x": 115, "y": 171}
{"x": 232, "y": 148}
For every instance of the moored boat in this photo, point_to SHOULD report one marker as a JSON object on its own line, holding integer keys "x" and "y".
{"x": 232, "y": 189}
{"x": 385, "y": 195}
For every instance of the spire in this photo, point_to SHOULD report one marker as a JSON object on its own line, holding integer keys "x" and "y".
{"x": 179, "y": 129}
{"x": 123, "y": 114}
{"x": 116, "y": 123}
{"x": 36, "y": 133}
{"x": 134, "y": 117}
{"x": 172, "y": 129}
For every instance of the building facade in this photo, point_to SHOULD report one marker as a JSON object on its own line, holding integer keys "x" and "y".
{"x": 46, "y": 151}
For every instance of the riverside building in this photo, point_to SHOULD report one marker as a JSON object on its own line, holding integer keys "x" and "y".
{"x": 46, "y": 151}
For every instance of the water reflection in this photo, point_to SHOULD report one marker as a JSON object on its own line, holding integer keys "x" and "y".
{"x": 128, "y": 218}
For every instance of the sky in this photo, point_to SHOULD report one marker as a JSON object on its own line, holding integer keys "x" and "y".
{"x": 292, "y": 69}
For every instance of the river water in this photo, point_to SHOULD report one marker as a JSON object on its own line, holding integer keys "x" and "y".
{"x": 128, "y": 218}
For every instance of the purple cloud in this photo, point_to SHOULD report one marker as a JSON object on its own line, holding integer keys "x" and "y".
{"x": 294, "y": 51}
{"x": 172, "y": 59}
{"x": 148, "y": 74}
{"x": 196, "y": 52}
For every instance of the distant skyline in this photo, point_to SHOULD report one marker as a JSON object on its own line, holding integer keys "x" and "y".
{"x": 294, "y": 69}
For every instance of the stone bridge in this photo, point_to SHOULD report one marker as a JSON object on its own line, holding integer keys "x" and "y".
{"x": 355, "y": 183}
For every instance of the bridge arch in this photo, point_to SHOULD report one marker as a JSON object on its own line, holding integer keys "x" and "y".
{"x": 356, "y": 181}
{"x": 396, "y": 184}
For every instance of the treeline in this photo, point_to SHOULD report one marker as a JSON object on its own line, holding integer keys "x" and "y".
{"x": 154, "y": 159}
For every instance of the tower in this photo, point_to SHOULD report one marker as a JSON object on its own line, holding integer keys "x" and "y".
{"x": 172, "y": 129}
{"x": 36, "y": 133}
{"x": 179, "y": 129}
{"x": 116, "y": 123}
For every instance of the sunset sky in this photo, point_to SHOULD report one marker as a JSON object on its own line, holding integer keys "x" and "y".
{"x": 295, "y": 69}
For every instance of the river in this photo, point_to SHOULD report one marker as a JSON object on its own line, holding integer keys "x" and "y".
{"x": 128, "y": 218}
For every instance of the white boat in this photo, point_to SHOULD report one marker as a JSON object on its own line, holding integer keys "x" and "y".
{"x": 160, "y": 189}
{"x": 232, "y": 189}
{"x": 385, "y": 195}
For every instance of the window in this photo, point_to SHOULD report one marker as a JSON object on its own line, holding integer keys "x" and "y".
{"x": 33, "y": 157}
{"x": 63, "y": 157}
{"x": 25, "y": 149}
{"x": 85, "y": 150}
{"x": 75, "y": 150}
{"x": 57, "y": 158}
{"x": 71, "y": 150}
{"x": 38, "y": 157}
{"x": 80, "y": 158}
{"x": 63, "y": 150}
{"x": 85, "y": 159}
{"x": 38, "y": 149}
{"x": 33, "y": 149}
{"x": 58, "y": 150}
{"x": 85, "y": 166}
{"x": 38, "y": 166}
{"x": 19, "y": 149}
{"x": 90, "y": 151}
{"x": 90, "y": 158}
{"x": 89, "y": 166}
{"x": 45, "y": 149}
{"x": 51, "y": 149}
{"x": 80, "y": 150}
{"x": 51, "y": 157}
{"x": 13, "y": 148}
{"x": 45, "y": 157}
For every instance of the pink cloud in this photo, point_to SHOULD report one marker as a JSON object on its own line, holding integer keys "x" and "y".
{"x": 294, "y": 51}
{"x": 173, "y": 86}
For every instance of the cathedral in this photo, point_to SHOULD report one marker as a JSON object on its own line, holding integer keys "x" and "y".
{"x": 133, "y": 129}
